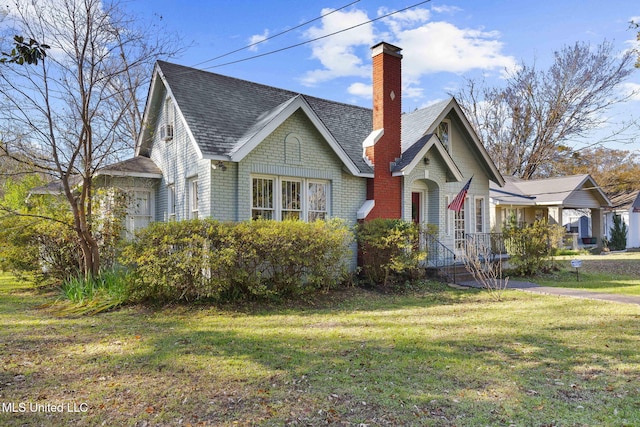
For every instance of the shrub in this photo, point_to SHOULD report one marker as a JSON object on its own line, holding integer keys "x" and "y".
{"x": 206, "y": 259}
{"x": 31, "y": 243}
{"x": 618, "y": 241}
{"x": 389, "y": 250}
{"x": 530, "y": 247}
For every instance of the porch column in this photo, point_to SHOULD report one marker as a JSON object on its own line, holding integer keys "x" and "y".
{"x": 555, "y": 215}
{"x": 597, "y": 225}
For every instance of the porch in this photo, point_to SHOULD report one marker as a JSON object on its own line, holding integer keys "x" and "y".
{"x": 446, "y": 263}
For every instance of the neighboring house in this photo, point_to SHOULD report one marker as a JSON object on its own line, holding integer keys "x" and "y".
{"x": 627, "y": 206}
{"x": 137, "y": 179}
{"x": 234, "y": 150}
{"x": 575, "y": 202}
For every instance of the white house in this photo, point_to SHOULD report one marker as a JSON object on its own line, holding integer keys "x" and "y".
{"x": 627, "y": 206}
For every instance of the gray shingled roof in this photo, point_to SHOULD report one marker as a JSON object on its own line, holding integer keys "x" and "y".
{"x": 416, "y": 124}
{"x": 626, "y": 200}
{"x": 222, "y": 111}
{"x": 136, "y": 166}
{"x": 547, "y": 191}
{"x": 413, "y": 150}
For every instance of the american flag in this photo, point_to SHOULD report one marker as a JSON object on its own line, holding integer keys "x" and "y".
{"x": 457, "y": 203}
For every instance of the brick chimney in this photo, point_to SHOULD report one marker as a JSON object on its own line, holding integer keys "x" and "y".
{"x": 386, "y": 190}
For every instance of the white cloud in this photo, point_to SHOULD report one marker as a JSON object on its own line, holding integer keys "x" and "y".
{"x": 407, "y": 19}
{"x": 443, "y": 47}
{"x": 361, "y": 90}
{"x": 256, "y": 39}
{"x": 337, "y": 53}
{"x": 428, "y": 47}
{"x": 446, "y": 9}
{"x": 632, "y": 90}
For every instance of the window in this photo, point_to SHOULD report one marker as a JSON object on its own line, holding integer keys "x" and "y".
{"x": 282, "y": 198}
{"x": 262, "y": 205}
{"x": 139, "y": 210}
{"x": 193, "y": 199}
{"x": 171, "y": 202}
{"x": 513, "y": 216}
{"x": 317, "y": 196}
{"x": 444, "y": 134}
{"x": 479, "y": 214}
{"x": 291, "y": 199}
{"x": 166, "y": 129}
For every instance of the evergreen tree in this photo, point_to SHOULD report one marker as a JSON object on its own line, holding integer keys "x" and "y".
{"x": 618, "y": 241}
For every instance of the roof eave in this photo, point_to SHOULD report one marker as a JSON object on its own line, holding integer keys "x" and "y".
{"x": 129, "y": 174}
{"x": 433, "y": 142}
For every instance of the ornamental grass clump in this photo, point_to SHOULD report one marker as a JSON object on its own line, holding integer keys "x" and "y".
{"x": 84, "y": 296}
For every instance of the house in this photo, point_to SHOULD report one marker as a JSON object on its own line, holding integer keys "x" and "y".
{"x": 216, "y": 146}
{"x": 575, "y": 202}
{"x": 627, "y": 206}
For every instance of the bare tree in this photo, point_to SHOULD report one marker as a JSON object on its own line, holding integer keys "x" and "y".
{"x": 615, "y": 171}
{"x": 70, "y": 114}
{"x": 525, "y": 122}
{"x": 636, "y": 25}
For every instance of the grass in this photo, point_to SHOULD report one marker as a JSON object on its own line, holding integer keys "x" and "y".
{"x": 614, "y": 273}
{"x": 434, "y": 357}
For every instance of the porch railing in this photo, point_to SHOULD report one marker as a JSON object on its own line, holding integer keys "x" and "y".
{"x": 494, "y": 241}
{"x": 439, "y": 257}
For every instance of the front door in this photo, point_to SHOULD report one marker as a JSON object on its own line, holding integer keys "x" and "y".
{"x": 416, "y": 211}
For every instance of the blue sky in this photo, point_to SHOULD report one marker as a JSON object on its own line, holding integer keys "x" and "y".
{"x": 443, "y": 41}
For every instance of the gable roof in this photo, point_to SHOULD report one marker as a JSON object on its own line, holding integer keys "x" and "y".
{"x": 230, "y": 129}
{"x": 510, "y": 193}
{"x": 629, "y": 200}
{"x": 412, "y": 155}
{"x": 221, "y": 130}
{"x": 566, "y": 191}
{"x": 139, "y": 166}
{"x": 425, "y": 121}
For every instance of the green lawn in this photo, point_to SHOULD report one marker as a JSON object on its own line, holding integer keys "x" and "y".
{"x": 435, "y": 357}
{"x": 616, "y": 273}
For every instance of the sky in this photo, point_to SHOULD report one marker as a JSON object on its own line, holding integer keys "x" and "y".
{"x": 443, "y": 41}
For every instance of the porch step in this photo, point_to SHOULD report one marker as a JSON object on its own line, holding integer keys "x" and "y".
{"x": 453, "y": 274}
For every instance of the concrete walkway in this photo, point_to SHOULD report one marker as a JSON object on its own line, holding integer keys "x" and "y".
{"x": 565, "y": 292}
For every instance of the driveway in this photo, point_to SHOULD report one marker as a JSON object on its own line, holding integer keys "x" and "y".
{"x": 565, "y": 292}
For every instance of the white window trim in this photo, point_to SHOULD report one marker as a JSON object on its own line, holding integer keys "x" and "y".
{"x": 448, "y": 217}
{"x": 303, "y": 197}
{"x": 194, "y": 204}
{"x": 171, "y": 202}
{"x": 277, "y": 195}
{"x": 475, "y": 214}
{"x": 130, "y": 217}
{"x": 327, "y": 185}
{"x": 448, "y": 145}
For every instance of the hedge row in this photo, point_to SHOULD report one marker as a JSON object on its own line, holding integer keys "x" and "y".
{"x": 206, "y": 259}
